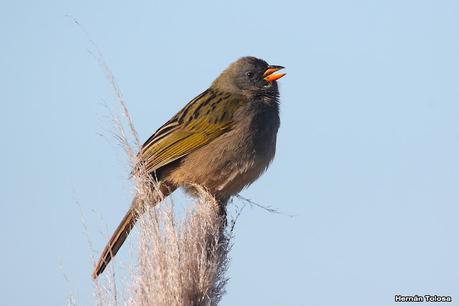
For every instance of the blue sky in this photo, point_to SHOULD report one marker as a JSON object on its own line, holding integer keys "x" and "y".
{"x": 367, "y": 158}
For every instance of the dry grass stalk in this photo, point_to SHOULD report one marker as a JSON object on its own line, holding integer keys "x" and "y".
{"x": 182, "y": 261}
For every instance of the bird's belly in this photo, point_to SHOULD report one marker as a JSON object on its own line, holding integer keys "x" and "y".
{"x": 226, "y": 166}
{"x": 239, "y": 177}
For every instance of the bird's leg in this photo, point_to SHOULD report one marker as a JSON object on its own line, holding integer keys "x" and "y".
{"x": 222, "y": 219}
{"x": 222, "y": 210}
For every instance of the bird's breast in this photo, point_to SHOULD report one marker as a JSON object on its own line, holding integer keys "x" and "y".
{"x": 235, "y": 159}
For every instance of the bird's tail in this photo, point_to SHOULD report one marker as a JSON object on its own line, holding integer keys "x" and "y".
{"x": 122, "y": 231}
{"x": 116, "y": 241}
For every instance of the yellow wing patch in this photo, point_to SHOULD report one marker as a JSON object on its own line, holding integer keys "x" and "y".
{"x": 201, "y": 121}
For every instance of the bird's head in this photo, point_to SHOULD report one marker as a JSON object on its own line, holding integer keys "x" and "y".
{"x": 251, "y": 77}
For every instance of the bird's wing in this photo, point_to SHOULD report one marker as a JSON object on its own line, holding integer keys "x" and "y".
{"x": 205, "y": 118}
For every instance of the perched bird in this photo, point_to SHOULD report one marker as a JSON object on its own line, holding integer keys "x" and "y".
{"x": 222, "y": 140}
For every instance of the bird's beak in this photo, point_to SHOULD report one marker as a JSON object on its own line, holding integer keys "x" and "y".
{"x": 269, "y": 74}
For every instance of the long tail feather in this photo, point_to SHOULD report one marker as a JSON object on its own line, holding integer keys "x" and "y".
{"x": 116, "y": 241}
{"x": 124, "y": 228}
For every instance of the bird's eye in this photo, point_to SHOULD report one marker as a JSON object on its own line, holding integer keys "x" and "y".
{"x": 249, "y": 74}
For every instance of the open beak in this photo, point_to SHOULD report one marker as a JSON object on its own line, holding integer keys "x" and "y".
{"x": 269, "y": 74}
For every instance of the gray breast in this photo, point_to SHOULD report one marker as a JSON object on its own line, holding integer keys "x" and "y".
{"x": 236, "y": 159}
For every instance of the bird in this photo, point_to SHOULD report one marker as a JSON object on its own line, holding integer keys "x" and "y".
{"x": 222, "y": 140}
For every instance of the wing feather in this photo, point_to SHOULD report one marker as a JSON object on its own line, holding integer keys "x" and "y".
{"x": 205, "y": 118}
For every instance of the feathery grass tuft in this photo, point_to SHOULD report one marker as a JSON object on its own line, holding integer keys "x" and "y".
{"x": 181, "y": 261}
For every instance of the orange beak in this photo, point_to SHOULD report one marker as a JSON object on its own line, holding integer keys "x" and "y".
{"x": 269, "y": 74}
